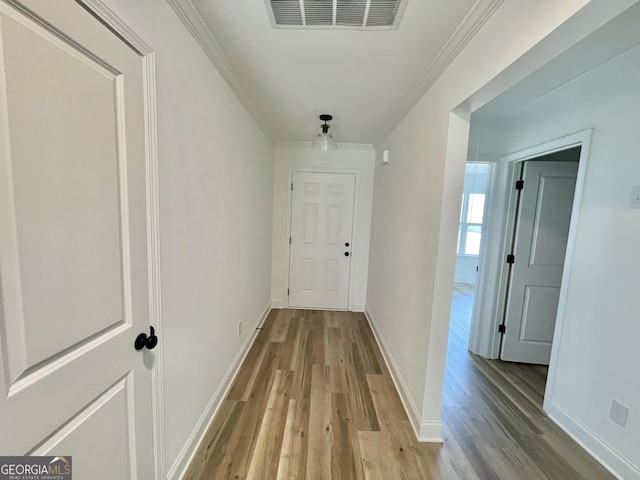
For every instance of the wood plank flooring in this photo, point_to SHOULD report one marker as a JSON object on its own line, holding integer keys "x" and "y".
{"x": 314, "y": 400}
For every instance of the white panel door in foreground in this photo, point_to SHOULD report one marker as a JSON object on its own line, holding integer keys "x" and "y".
{"x": 74, "y": 287}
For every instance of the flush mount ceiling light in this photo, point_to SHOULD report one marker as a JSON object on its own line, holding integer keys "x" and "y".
{"x": 324, "y": 140}
{"x": 349, "y": 14}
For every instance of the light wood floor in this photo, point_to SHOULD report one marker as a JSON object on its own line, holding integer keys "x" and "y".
{"x": 314, "y": 401}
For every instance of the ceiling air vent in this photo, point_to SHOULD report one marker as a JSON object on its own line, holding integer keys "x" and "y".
{"x": 350, "y": 14}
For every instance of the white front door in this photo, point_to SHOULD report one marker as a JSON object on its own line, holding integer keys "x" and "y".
{"x": 321, "y": 246}
{"x": 540, "y": 244}
{"x": 74, "y": 288}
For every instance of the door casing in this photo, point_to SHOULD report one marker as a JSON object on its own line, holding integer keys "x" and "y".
{"x": 354, "y": 237}
{"x": 114, "y": 23}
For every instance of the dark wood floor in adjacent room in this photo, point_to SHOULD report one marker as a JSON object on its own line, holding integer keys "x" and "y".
{"x": 314, "y": 400}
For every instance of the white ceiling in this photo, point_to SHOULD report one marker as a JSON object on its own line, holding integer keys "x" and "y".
{"x": 366, "y": 79}
{"x": 605, "y": 43}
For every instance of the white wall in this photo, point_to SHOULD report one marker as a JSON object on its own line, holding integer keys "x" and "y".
{"x": 216, "y": 170}
{"x": 596, "y": 354}
{"x": 417, "y": 196}
{"x": 289, "y": 157}
{"x": 466, "y": 269}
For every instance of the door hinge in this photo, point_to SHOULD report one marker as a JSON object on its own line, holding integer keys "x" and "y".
{"x": 287, "y": 292}
{"x": 511, "y": 258}
{"x": 289, "y": 240}
{"x": 519, "y": 184}
{"x": 502, "y": 328}
{"x": 292, "y": 186}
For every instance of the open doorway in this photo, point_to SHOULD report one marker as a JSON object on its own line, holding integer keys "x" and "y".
{"x": 594, "y": 304}
{"x": 536, "y": 227}
{"x": 474, "y": 196}
{"x": 514, "y": 301}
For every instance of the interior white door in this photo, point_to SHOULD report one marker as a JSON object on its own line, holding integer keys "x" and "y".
{"x": 73, "y": 249}
{"x": 540, "y": 245}
{"x": 321, "y": 227}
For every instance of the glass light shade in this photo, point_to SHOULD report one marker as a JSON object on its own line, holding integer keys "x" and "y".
{"x": 324, "y": 142}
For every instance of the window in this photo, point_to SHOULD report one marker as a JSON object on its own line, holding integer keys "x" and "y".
{"x": 472, "y": 214}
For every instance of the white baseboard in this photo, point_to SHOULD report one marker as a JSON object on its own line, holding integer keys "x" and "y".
{"x": 430, "y": 432}
{"x": 357, "y": 307}
{"x": 599, "y": 449}
{"x": 179, "y": 467}
{"x": 277, "y": 304}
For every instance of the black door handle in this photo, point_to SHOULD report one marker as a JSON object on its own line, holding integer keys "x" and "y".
{"x": 346, "y": 254}
{"x": 143, "y": 341}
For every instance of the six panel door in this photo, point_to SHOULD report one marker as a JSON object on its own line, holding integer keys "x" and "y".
{"x": 321, "y": 227}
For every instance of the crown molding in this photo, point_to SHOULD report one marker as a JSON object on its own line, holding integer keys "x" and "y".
{"x": 481, "y": 11}
{"x": 191, "y": 18}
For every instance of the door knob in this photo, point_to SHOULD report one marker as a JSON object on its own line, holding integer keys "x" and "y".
{"x": 346, "y": 244}
{"x": 143, "y": 340}
{"x": 346, "y": 254}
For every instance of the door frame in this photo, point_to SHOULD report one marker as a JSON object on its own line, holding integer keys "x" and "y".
{"x": 488, "y": 305}
{"x": 354, "y": 228}
{"x": 118, "y": 27}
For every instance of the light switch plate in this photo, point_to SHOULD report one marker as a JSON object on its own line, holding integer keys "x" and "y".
{"x": 635, "y": 197}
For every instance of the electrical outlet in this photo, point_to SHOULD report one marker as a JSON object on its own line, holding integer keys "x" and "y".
{"x": 240, "y": 328}
{"x": 619, "y": 413}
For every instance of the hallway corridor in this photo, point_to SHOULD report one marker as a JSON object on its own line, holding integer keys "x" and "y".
{"x": 314, "y": 400}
